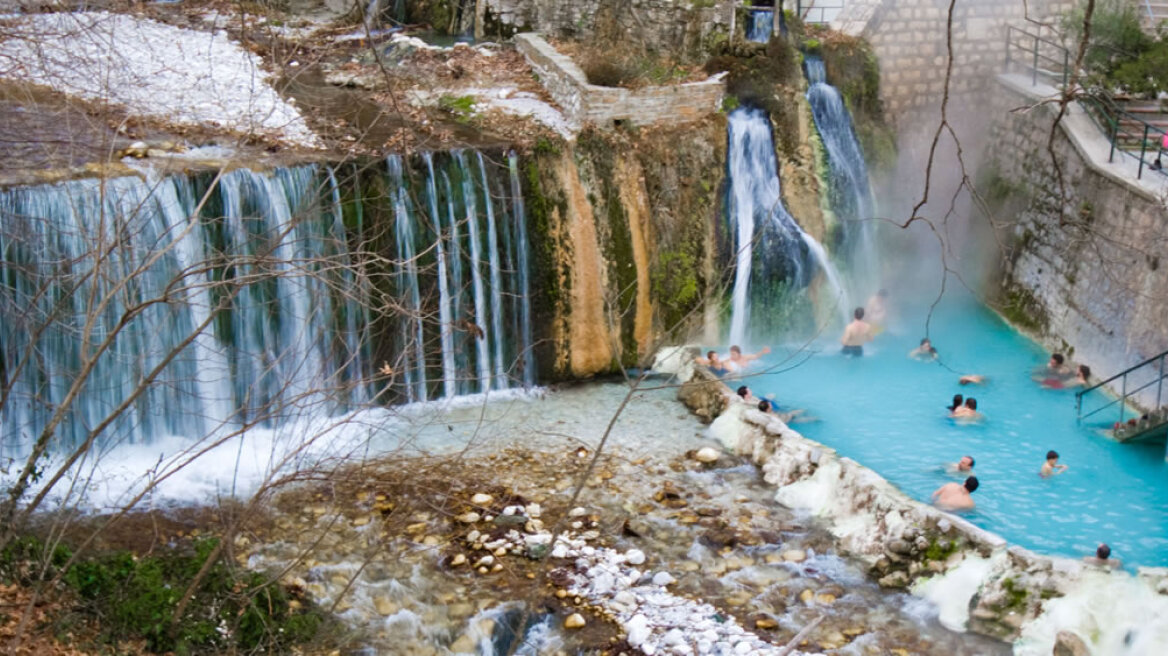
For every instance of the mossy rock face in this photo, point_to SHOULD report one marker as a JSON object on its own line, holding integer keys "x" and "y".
{"x": 1021, "y": 308}
{"x": 546, "y": 204}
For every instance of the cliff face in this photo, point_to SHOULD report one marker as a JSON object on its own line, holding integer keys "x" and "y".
{"x": 626, "y": 243}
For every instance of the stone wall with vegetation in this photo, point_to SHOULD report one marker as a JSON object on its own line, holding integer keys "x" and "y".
{"x": 589, "y": 103}
{"x": 1086, "y": 273}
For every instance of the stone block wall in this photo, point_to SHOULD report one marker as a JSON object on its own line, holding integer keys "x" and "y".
{"x": 1092, "y": 277}
{"x": 588, "y": 103}
{"x": 909, "y": 38}
{"x": 665, "y": 24}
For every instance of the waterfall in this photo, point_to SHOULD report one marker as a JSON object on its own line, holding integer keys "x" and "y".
{"x": 520, "y": 219}
{"x": 496, "y": 279}
{"x": 147, "y": 307}
{"x": 445, "y": 313}
{"x": 850, "y": 192}
{"x": 760, "y": 24}
{"x": 766, "y": 237}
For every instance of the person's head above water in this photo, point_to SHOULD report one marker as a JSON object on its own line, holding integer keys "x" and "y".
{"x": 965, "y": 464}
{"x": 1057, "y": 359}
{"x": 764, "y": 405}
{"x": 1103, "y": 552}
{"x": 735, "y": 350}
{"x": 971, "y": 403}
{"x": 1084, "y": 371}
{"x": 1052, "y": 455}
{"x": 858, "y": 313}
{"x": 743, "y": 391}
{"x": 712, "y": 356}
{"x": 971, "y": 484}
{"x": 957, "y": 401}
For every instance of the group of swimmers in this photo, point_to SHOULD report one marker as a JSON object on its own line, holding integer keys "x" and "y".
{"x": 735, "y": 363}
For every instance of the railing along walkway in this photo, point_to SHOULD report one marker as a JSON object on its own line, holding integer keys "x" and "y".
{"x": 1048, "y": 61}
{"x": 1135, "y": 385}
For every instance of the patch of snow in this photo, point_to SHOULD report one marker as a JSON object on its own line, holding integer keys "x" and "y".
{"x": 152, "y": 69}
{"x": 529, "y": 106}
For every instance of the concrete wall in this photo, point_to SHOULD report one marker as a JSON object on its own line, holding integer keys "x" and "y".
{"x": 587, "y": 103}
{"x": 909, "y": 38}
{"x": 1093, "y": 277}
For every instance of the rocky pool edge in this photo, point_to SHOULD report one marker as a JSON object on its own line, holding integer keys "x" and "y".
{"x": 980, "y": 583}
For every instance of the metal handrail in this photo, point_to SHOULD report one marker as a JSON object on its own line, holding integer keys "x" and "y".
{"x": 1100, "y": 107}
{"x": 1125, "y": 393}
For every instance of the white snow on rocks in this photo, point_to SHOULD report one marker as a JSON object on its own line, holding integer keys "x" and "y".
{"x": 151, "y": 69}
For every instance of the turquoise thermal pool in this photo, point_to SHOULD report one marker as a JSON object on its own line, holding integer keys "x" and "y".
{"x": 889, "y": 413}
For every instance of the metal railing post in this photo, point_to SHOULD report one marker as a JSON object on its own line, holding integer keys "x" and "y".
{"x": 1114, "y": 136}
{"x": 1078, "y": 408}
{"x": 1009, "y": 30}
{"x": 1123, "y": 398}
{"x": 1160, "y": 385}
{"x": 1143, "y": 150}
{"x": 1034, "y": 75}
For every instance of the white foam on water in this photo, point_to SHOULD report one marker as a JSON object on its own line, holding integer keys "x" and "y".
{"x": 952, "y": 591}
{"x": 1114, "y": 614}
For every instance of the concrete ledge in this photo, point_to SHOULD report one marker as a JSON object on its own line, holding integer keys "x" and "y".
{"x": 589, "y": 103}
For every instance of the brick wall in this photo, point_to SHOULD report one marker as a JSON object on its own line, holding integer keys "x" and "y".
{"x": 587, "y": 103}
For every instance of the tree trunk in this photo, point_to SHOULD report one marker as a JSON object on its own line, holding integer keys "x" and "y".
{"x": 480, "y": 16}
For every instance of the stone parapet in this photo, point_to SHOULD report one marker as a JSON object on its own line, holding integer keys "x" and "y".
{"x": 589, "y": 103}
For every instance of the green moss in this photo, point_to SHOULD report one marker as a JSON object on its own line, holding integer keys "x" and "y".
{"x": 461, "y": 107}
{"x": 1022, "y": 309}
{"x": 768, "y": 77}
{"x": 600, "y": 155}
{"x": 1015, "y": 596}
{"x": 940, "y": 550}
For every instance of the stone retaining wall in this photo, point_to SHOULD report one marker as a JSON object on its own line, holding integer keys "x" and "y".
{"x": 979, "y": 582}
{"x": 909, "y": 38}
{"x": 588, "y": 103}
{"x": 659, "y": 24}
{"x": 1092, "y": 278}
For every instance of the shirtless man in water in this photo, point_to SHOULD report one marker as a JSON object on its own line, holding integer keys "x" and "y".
{"x": 856, "y": 334}
{"x": 956, "y": 496}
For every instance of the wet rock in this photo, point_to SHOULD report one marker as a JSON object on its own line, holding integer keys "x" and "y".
{"x": 384, "y": 606}
{"x": 577, "y": 512}
{"x": 663, "y": 579}
{"x": 469, "y": 517}
{"x": 464, "y": 645}
{"x": 1069, "y": 644}
{"x": 574, "y": 621}
{"x": 706, "y": 455}
{"x": 510, "y": 521}
{"x": 894, "y": 580}
{"x": 481, "y": 499}
{"x": 457, "y": 560}
{"x": 900, "y": 547}
{"x": 795, "y": 555}
{"x": 765, "y": 623}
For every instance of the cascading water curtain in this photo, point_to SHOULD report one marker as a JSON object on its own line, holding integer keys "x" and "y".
{"x": 138, "y": 308}
{"x": 461, "y": 270}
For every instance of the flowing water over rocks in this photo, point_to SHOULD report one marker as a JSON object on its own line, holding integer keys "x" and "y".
{"x": 454, "y": 555}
